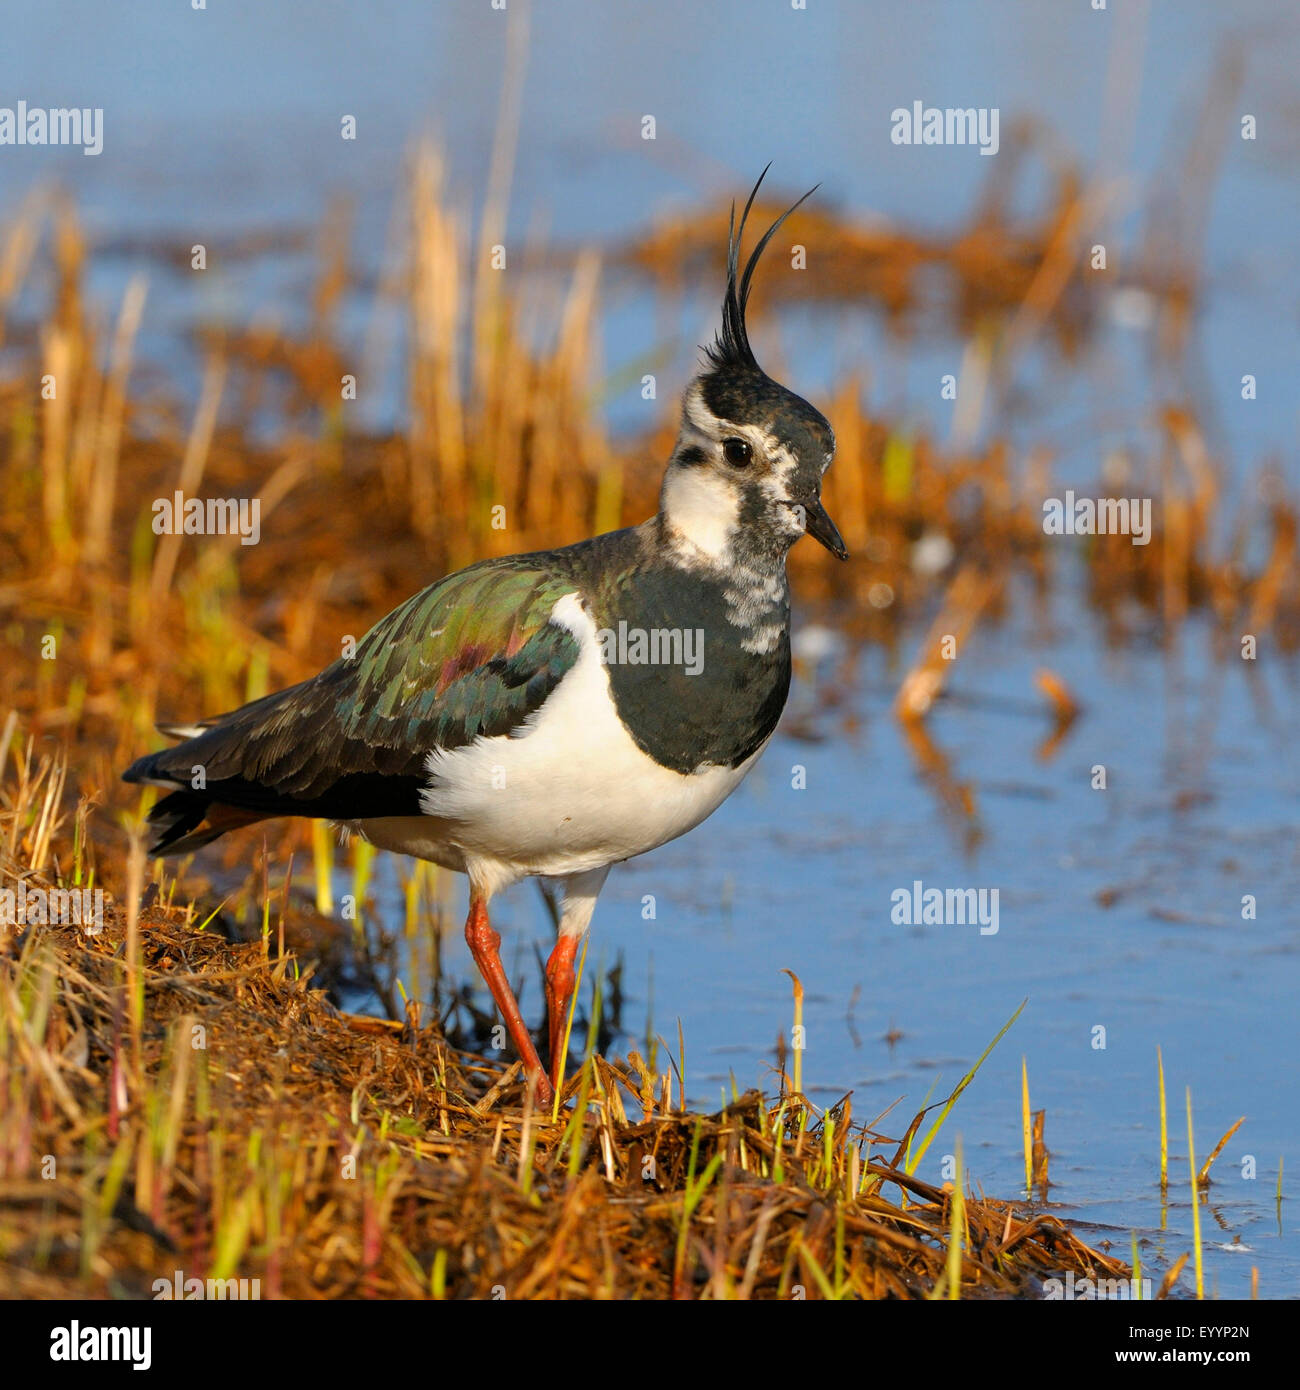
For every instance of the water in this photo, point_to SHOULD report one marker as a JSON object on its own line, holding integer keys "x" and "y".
{"x": 226, "y": 121}
{"x": 1198, "y": 811}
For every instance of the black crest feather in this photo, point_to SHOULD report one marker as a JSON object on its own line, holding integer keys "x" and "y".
{"x": 731, "y": 347}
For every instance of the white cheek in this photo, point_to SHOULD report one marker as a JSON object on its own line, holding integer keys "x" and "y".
{"x": 701, "y": 509}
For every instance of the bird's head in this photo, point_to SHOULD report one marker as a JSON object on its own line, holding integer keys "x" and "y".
{"x": 745, "y": 477}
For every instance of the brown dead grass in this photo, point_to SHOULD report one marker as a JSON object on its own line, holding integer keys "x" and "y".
{"x": 263, "y": 1134}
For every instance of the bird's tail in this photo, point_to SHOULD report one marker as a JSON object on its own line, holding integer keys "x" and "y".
{"x": 189, "y": 817}
{"x": 187, "y": 820}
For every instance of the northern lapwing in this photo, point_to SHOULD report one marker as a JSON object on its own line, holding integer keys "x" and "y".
{"x": 553, "y": 714}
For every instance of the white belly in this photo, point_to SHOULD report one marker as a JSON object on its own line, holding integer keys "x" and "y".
{"x": 570, "y": 792}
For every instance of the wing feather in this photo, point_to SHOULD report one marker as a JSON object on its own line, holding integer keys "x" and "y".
{"x": 472, "y": 655}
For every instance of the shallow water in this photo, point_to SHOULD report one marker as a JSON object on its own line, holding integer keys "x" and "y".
{"x": 1198, "y": 811}
{"x": 227, "y": 121}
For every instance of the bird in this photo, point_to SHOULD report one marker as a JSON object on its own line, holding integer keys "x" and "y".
{"x": 556, "y": 713}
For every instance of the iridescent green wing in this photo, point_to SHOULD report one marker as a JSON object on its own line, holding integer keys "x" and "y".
{"x": 474, "y": 654}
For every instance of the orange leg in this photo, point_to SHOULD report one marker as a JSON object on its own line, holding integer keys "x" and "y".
{"x": 559, "y": 990}
{"x": 484, "y": 945}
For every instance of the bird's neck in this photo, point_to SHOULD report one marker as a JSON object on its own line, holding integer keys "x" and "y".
{"x": 749, "y": 590}
{"x": 700, "y": 527}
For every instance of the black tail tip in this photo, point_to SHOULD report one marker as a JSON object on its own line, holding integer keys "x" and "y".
{"x": 177, "y": 818}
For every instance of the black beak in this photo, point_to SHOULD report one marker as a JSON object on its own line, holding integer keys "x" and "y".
{"x": 822, "y": 528}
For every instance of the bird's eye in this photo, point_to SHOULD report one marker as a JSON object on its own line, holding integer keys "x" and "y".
{"x": 737, "y": 451}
